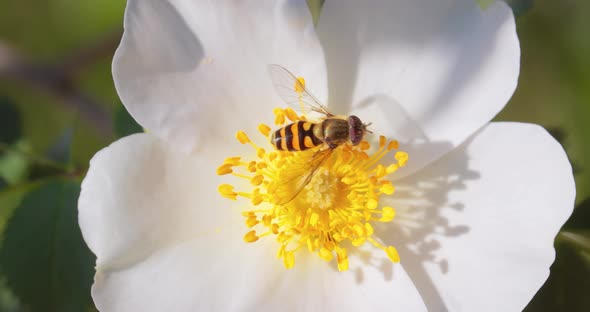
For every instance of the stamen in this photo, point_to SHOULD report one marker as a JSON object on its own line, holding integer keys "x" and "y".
{"x": 242, "y": 137}
{"x": 339, "y": 204}
{"x": 264, "y": 129}
{"x": 250, "y": 237}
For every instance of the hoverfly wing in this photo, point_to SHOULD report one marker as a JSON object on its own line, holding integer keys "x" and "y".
{"x": 293, "y": 92}
{"x": 319, "y": 158}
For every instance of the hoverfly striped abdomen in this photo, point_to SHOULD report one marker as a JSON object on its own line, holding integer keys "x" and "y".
{"x": 298, "y": 136}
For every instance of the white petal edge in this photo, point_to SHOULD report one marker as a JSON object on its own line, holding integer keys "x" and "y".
{"x": 426, "y": 72}
{"x": 222, "y": 273}
{"x": 478, "y": 225}
{"x": 185, "y": 65}
{"x": 139, "y": 196}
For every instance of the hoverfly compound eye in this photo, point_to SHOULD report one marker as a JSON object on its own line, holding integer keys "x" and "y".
{"x": 356, "y": 132}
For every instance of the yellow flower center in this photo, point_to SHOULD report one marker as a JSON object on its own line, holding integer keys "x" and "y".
{"x": 307, "y": 204}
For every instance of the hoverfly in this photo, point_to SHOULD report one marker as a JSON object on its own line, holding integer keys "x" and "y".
{"x": 327, "y": 134}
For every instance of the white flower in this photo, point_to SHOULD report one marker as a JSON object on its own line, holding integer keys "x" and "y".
{"x": 478, "y": 205}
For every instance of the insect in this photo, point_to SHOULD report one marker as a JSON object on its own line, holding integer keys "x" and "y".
{"x": 330, "y": 132}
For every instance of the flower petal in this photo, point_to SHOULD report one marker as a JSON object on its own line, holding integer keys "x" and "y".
{"x": 183, "y": 66}
{"x": 427, "y": 72}
{"x": 222, "y": 273}
{"x": 478, "y": 225}
{"x": 139, "y": 196}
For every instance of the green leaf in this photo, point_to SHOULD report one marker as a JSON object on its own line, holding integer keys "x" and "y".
{"x": 44, "y": 258}
{"x": 125, "y": 124}
{"x": 10, "y": 198}
{"x": 10, "y": 121}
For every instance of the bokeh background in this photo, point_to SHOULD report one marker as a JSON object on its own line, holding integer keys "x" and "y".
{"x": 58, "y": 106}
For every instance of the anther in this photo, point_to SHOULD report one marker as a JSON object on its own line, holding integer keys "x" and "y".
{"x": 299, "y": 85}
{"x": 279, "y": 116}
{"x": 392, "y": 254}
{"x": 326, "y": 254}
{"x": 264, "y": 129}
{"x": 387, "y": 189}
{"x": 227, "y": 191}
{"x": 289, "y": 259}
{"x": 242, "y": 137}
{"x": 342, "y": 259}
{"x": 224, "y": 169}
{"x": 393, "y": 145}
{"x": 290, "y": 113}
{"x": 250, "y": 237}
{"x": 387, "y": 214}
{"x": 257, "y": 180}
{"x": 382, "y": 141}
{"x": 402, "y": 158}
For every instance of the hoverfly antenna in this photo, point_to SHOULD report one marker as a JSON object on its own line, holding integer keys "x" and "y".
{"x": 366, "y": 126}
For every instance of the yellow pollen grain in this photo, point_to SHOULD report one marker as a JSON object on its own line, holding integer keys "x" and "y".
{"x": 338, "y": 206}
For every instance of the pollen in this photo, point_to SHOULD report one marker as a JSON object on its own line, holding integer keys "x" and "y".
{"x": 309, "y": 203}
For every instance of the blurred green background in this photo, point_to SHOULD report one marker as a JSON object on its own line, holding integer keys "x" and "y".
{"x": 58, "y": 106}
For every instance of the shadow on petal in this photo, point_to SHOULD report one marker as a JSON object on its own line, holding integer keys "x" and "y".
{"x": 421, "y": 202}
{"x": 152, "y": 48}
